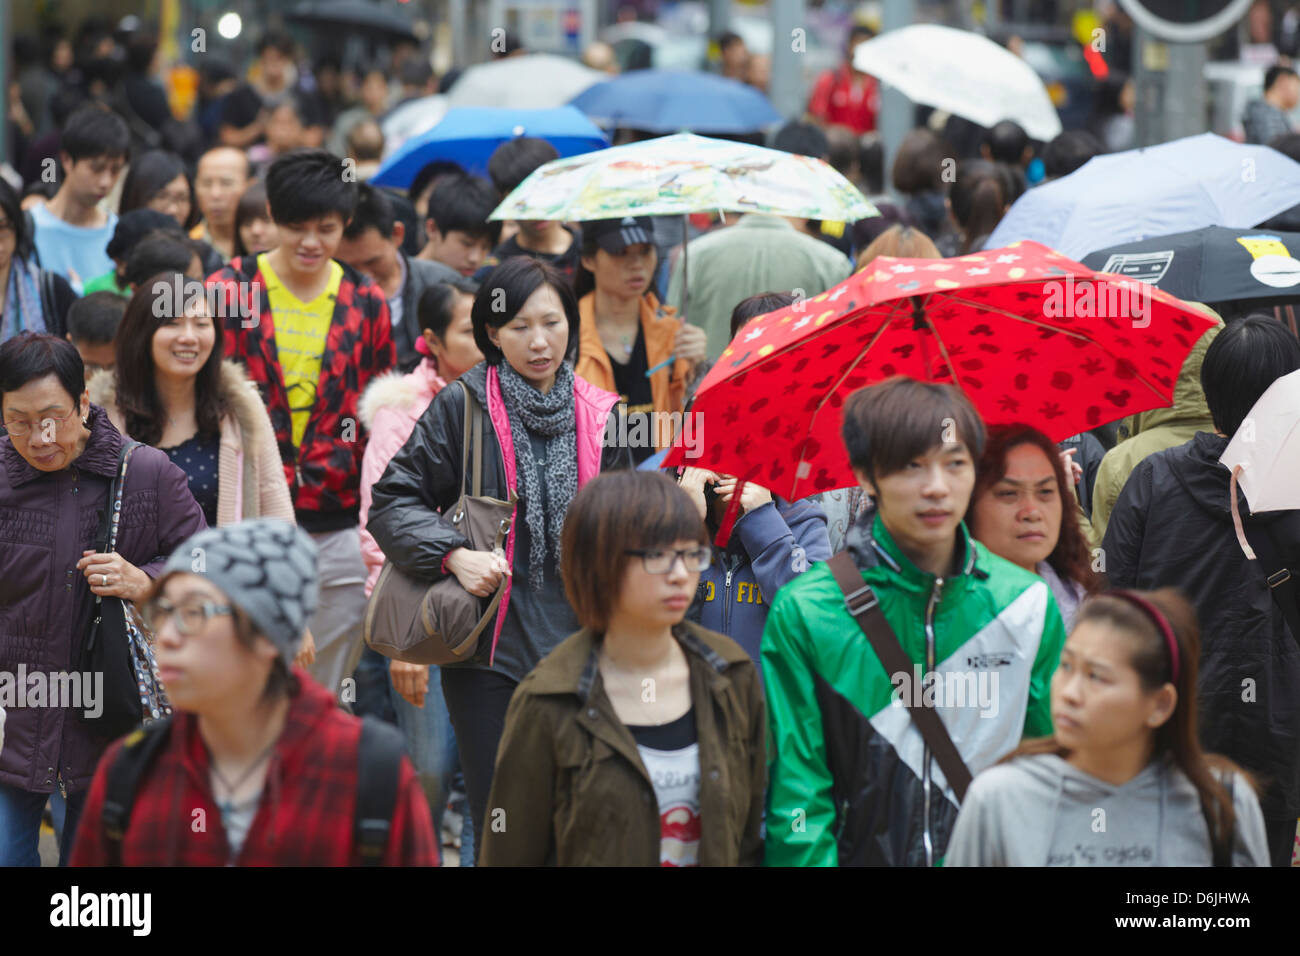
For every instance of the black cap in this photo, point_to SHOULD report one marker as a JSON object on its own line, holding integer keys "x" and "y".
{"x": 615, "y": 235}
{"x": 135, "y": 225}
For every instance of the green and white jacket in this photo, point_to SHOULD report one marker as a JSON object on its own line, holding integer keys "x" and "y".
{"x": 851, "y": 780}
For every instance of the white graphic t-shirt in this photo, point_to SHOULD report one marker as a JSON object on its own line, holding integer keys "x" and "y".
{"x": 671, "y": 754}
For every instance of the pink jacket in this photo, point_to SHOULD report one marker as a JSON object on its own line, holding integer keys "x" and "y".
{"x": 591, "y": 407}
{"x": 389, "y": 409}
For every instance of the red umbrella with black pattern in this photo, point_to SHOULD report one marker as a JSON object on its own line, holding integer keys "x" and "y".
{"x": 1030, "y": 335}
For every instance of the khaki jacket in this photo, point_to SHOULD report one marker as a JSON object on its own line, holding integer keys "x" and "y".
{"x": 570, "y": 787}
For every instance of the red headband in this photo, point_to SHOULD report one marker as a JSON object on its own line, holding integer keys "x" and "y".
{"x": 1162, "y": 625}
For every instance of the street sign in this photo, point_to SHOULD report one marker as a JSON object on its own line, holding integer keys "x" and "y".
{"x": 1185, "y": 21}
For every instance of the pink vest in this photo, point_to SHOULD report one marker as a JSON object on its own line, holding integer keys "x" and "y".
{"x": 591, "y": 407}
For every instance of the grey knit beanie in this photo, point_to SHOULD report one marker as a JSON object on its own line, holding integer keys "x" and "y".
{"x": 266, "y": 566}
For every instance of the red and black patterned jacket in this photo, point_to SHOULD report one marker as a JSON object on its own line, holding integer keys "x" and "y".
{"x": 305, "y": 817}
{"x": 325, "y": 473}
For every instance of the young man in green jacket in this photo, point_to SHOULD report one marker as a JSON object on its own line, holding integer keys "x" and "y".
{"x": 851, "y": 779}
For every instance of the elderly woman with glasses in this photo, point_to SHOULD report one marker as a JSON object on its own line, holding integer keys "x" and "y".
{"x": 56, "y": 465}
{"x": 639, "y": 740}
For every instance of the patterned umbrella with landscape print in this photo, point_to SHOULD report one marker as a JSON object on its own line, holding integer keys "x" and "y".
{"x": 1028, "y": 334}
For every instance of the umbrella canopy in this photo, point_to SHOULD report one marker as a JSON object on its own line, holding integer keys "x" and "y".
{"x": 1175, "y": 187}
{"x": 355, "y": 17}
{"x": 1029, "y": 335}
{"x": 684, "y": 173}
{"x": 963, "y": 73}
{"x": 1214, "y": 264}
{"x": 666, "y": 101}
{"x": 1266, "y": 449}
{"x": 534, "y": 81}
{"x": 470, "y": 136}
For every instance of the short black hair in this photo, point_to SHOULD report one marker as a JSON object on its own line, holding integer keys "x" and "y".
{"x": 134, "y": 225}
{"x": 95, "y": 318}
{"x": 463, "y": 203}
{"x": 889, "y": 424}
{"x": 415, "y": 71}
{"x": 1244, "y": 359}
{"x": 93, "y": 131}
{"x": 430, "y": 172}
{"x": 1007, "y": 141}
{"x": 514, "y": 161}
{"x": 1070, "y": 150}
{"x": 373, "y": 211}
{"x": 278, "y": 39}
{"x": 727, "y": 38}
{"x": 1288, "y": 144}
{"x": 802, "y": 139}
{"x": 504, "y": 293}
{"x": 140, "y": 50}
{"x": 162, "y": 250}
{"x": 1275, "y": 73}
{"x": 29, "y": 356}
{"x": 307, "y": 184}
{"x": 436, "y": 301}
{"x": 756, "y": 305}
{"x": 860, "y": 31}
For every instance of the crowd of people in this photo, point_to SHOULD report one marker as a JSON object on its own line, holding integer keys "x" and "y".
{"x": 281, "y": 388}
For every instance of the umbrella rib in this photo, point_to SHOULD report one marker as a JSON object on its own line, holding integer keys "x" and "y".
{"x": 943, "y": 349}
{"x": 985, "y": 307}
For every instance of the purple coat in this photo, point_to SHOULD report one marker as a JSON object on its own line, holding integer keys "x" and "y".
{"x": 45, "y": 602}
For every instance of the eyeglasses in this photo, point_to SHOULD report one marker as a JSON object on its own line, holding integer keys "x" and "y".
{"x": 20, "y": 428}
{"x": 658, "y": 561}
{"x": 190, "y": 618}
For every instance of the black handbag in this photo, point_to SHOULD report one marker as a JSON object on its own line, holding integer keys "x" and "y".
{"x": 117, "y": 644}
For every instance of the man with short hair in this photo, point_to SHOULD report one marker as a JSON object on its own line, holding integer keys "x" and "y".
{"x": 511, "y": 163}
{"x": 72, "y": 232}
{"x": 313, "y": 333}
{"x": 245, "y": 112}
{"x": 1172, "y": 526}
{"x": 1269, "y": 116}
{"x": 222, "y": 175}
{"x": 92, "y": 327}
{"x": 457, "y": 231}
{"x": 852, "y": 781}
{"x": 372, "y": 244}
{"x": 845, "y": 96}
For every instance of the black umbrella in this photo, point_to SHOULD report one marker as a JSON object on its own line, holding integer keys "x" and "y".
{"x": 355, "y": 16}
{"x": 1214, "y": 264}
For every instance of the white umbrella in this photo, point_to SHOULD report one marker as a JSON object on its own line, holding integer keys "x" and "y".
{"x": 534, "y": 81}
{"x": 1264, "y": 454}
{"x": 963, "y": 73}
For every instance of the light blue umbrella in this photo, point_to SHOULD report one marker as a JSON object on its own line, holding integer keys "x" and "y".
{"x": 669, "y": 101}
{"x": 1186, "y": 184}
{"x": 470, "y": 135}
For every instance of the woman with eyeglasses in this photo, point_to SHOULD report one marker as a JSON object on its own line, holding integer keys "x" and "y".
{"x": 639, "y": 741}
{"x": 32, "y": 299}
{"x": 56, "y": 465}
{"x": 256, "y": 749}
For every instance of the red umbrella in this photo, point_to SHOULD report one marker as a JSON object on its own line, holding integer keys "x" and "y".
{"x": 1028, "y": 334}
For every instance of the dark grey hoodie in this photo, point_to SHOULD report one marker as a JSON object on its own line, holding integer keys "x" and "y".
{"x": 1041, "y": 811}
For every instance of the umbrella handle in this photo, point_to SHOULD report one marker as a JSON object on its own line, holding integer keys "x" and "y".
{"x": 1236, "y": 515}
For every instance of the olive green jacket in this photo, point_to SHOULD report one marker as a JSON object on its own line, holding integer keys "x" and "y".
{"x": 570, "y": 787}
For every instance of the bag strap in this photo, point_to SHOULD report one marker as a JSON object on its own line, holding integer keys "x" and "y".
{"x": 1221, "y": 845}
{"x": 137, "y": 753}
{"x": 476, "y": 415}
{"x": 464, "y": 440}
{"x": 1281, "y": 582}
{"x": 379, "y": 760}
{"x": 107, "y": 527}
{"x": 863, "y": 604}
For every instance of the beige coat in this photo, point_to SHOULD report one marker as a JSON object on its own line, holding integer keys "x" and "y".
{"x": 251, "y": 478}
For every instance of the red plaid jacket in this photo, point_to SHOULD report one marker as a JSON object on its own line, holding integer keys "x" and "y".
{"x": 305, "y": 817}
{"x": 325, "y": 473}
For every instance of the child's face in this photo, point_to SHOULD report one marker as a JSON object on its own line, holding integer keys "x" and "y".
{"x": 311, "y": 244}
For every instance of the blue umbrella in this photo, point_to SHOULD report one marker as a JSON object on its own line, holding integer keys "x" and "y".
{"x": 667, "y": 101}
{"x": 1187, "y": 184}
{"x": 470, "y": 135}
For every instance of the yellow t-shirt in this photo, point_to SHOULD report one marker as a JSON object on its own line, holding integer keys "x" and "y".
{"x": 301, "y": 329}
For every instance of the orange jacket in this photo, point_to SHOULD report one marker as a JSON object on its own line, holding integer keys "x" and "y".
{"x": 660, "y": 325}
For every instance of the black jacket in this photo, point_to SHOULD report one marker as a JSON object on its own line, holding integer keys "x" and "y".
{"x": 423, "y": 480}
{"x": 1172, "y": 527}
